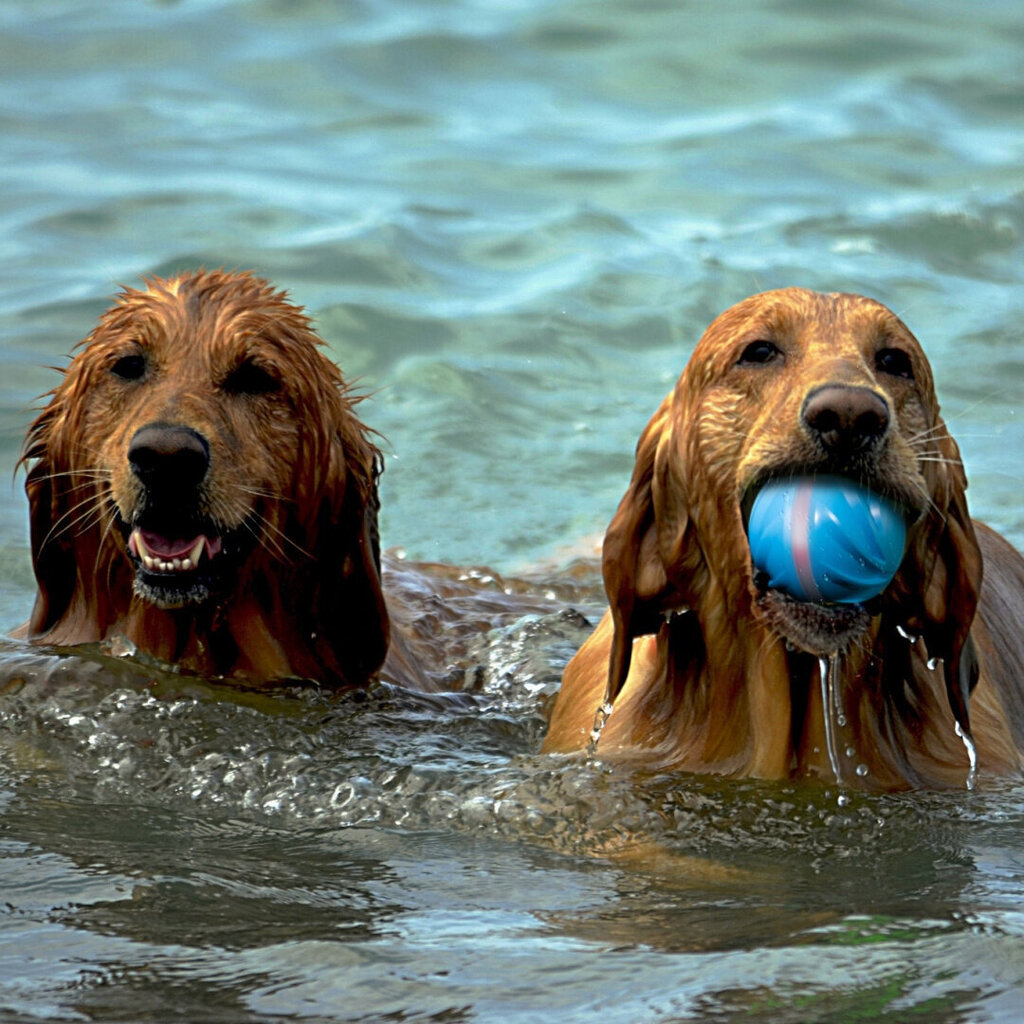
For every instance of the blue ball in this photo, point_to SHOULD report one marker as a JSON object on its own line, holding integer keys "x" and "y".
{"x": 826, "y": 539}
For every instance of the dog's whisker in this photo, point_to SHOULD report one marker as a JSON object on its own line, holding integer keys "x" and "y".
{"x": 111, "y": 517}
{"x": 79, "y": 525}
{"x": 993, "y": 395}
{"x": 265, "y": 540}
{"x": 259, "y": 492}
{"x": 936, "y": 430}
{"x": 940, "y": 460}
{"x": 74, "y": 516}
{"x": 90, "y": 473}
{"x": 279, "y": 538}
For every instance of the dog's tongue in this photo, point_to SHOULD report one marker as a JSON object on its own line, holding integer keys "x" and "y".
{"x": 163, "y": 547}
{"x": 155, "y": 545}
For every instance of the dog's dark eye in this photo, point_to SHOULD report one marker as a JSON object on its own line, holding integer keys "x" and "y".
{"x": 248, "y": 378}
{"x": 895, "y": 362}
{"x": 131, "y": 367}
{"x": 759, "y": 353}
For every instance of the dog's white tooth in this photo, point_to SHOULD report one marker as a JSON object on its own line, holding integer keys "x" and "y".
{"x": 148, "y": 561}
{"x": 140, "y": 546}
{"x": 197, "y": 551}
{"x": 176, "y": 564}
{"x": 186, "y": 563}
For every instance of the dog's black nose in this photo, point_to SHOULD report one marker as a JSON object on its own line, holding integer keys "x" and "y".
{"x": 169, "y": 458}
{"x": 846, "y": 419}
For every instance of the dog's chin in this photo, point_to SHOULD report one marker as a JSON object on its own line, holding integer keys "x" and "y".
{"x": 156, "y": 589}
{"x": 819, "y": 629}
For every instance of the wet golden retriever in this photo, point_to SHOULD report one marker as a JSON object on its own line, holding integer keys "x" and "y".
{"x": 712, "y": 671}
{"x": 199, "y": 483}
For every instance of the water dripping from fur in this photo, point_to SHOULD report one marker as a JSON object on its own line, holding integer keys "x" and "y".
{"x": 972, "y": 753}
{"x": 831, "y": 710}
{"x": 605, "y": 708}
{"x": 935, "y": 665}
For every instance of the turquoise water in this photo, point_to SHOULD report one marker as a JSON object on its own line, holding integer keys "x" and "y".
{"x": 511, "y": 220}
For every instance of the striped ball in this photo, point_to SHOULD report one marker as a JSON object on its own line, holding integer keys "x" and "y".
{"x": 825, "y": 539}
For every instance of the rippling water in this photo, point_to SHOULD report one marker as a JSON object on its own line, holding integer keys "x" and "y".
{"x": 511, "y": 220}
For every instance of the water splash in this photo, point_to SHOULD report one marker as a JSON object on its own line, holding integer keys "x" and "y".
{"x": 831, "y": 707}
{"x": 121, "y": 647}
{"x": 972, "y": 753}
{"x": 911, "y": 638}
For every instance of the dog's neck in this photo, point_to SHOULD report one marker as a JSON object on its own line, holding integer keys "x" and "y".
{"x": 761, "y": 709}
{"x": 236, "y": 638}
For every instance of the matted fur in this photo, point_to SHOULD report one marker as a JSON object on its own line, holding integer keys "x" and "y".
{"x": 291, "y": 485}
{"x": 712, "y": 674}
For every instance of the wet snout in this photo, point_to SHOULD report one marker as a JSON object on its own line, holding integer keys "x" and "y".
{"x": 176, "y": 547}
{"x": 846, "y": 420}
{"x": 169, "y": 460}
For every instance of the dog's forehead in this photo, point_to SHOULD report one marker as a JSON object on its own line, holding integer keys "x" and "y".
{"x": 196, "y": 308}
{"x": 797, "y": 315}
{"x": 206, "y": 316}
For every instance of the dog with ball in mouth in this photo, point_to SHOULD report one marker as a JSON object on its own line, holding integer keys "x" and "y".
{"x": 795, "y": 583}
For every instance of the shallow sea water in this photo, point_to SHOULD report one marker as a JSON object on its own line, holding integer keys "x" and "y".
{"x": 511, "y": 220}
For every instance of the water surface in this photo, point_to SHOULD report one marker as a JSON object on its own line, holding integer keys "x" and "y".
{"x": 511, "y": 221}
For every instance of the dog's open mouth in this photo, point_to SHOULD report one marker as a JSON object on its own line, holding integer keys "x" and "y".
{"x": 823, "y": 548}
{"x": 172, "y": 571}
{"x": 159, "y": 554}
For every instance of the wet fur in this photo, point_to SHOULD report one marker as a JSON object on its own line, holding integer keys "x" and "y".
{"x": 713, "y": 675}
{"x": 292, "y": 477}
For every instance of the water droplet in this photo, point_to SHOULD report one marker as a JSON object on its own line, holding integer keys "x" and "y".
{"x": 851, "y": 752}
{"x": 671, "y": 613}
{"x": 911, "y": 638}
{"x": 842, "y": 800}
{"x": 862, "y": 770}
{"x": 933, "y": 663}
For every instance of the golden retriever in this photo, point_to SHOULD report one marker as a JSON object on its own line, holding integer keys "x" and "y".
{"x": 199, "y": 483}
{"x": 712, "y": 671}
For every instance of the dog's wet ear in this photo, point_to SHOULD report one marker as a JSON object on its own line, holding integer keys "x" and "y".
{"x": 644, "y": 545}
{"x": 50, "y": 517}
{"x": 935, "y": 592}
{"x": 348, "y": 605}
{"x": 363, "y": 592}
